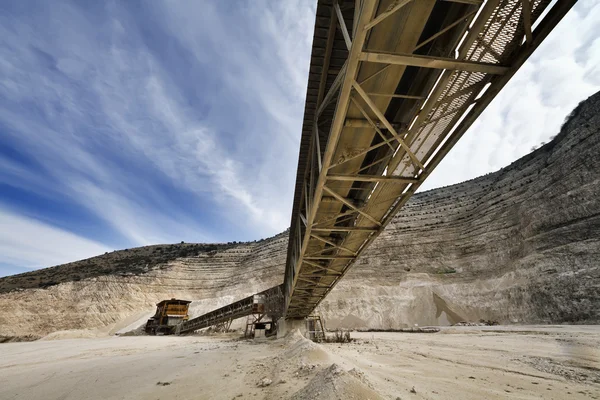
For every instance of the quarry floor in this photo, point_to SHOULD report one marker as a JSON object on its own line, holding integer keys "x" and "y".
{"x": 525, "y": 362}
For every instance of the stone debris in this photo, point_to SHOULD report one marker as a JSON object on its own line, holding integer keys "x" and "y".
{"x": 334, "y": 382}
{"x": 576, "y": 373}
{"x": 264, "y": 382}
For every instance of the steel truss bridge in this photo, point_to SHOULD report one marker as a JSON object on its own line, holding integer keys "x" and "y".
{"x": 393, "y": 85}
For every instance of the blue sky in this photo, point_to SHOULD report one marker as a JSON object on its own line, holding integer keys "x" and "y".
{"x": 126, "y": 123}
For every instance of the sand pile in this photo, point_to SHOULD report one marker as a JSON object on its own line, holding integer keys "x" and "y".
{"x": 299, "y": 360}
{"x": 335, "y": 383}
{"x": 76, "y": 334}
{"x": 307, "y": 370}
{"x": 133, "y": 325}
{"x": 300, "y": 351}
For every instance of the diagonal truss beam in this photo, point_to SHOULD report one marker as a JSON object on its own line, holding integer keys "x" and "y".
{"x": 446, "y": 29}
{"x": 311, "y": 281}
{"x": 392, "y": 9}
{"x": 318, "y": 266}
{"x": 397, "y": 96}
{"x": 343, "y": 28}
{"x": 387, "y": 124}
{"x": 334, "y": 245}
{"x": 433, "y": 62}
{"x": 473, "y": 2}
{"x": 371, "y": 123}
{"x": 334, "y": 218}
{"x": 350, "y": 205}
{"x": 332, "y": 90}
{"x": 363, "y": 152}
{"x": 372, "y": 178}
{"x": 330, "y": 258}
{"x": 345, "y": 229}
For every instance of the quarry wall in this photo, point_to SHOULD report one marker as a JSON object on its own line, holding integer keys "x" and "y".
{"x": 521, "y": 245}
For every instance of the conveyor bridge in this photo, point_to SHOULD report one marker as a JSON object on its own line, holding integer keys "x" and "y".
{"x": 269, "y": 302}
{"x": 393, "y": 85}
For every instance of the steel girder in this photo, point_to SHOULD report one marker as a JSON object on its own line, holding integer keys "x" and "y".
{"x": 371, "y": 164}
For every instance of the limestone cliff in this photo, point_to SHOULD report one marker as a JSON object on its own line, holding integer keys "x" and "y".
{"x": 521, "y": 245}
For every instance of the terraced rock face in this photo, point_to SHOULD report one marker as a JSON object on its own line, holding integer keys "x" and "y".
{"x": 519, "y": 245}
{"x": 125, "y": 285}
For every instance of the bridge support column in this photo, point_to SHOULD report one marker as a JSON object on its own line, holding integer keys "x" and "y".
{"x": 285, "y": 326}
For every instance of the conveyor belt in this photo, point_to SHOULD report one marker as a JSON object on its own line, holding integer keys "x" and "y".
{"x": 273, "y": 301}
{"x": 393, "y": 85}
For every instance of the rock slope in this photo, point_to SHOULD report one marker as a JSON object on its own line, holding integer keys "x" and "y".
{"x": 518, "y": 245}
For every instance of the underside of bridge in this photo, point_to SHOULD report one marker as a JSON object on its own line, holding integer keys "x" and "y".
{"x": 393, "y": 85}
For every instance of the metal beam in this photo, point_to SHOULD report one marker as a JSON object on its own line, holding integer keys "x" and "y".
{"x": 317, "y": 286}
{"x": 372, "y": 178}
{"x": 446, "y": 29}
{"x": 335, "y": 218}
{"x": 368, "y": 149}
{"x": 433, "y": 62}
{"x": 343, "y": 28}
{"x": 315, "y": 265}
{"x": 387, "y": 124}
{"x": 397, "y": 96}
{"x": 335, "y": 245}
{"x": 303, "y": 279}
{"x": 318, "y": 148}
{"x": 473, "y": 2}
{"x": 526, "y": 11}
{"x": 332, "y": 91}
{"x": 350, "y": 205}
{"x": 370, "y": 121}
{"x": 327, "y": 57}
{"x": 392, "y": 9}
{"x": 349, "y": 75}
{"x": 381, "y": 201}
{"x": 345, "y": 229}
{"x": 319, "y": 274}
{"x": 357, "y": 123}
{"x": 363, "y": 123}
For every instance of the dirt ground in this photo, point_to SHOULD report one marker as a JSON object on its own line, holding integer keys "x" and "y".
{"x": 526, "y": 362}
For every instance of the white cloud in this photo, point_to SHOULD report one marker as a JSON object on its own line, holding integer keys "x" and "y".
{"x": 33, "y": 244}
{"x": 105, "y": 116}
{"x": 110, "y": 92}
{"x": 532, "y": 107}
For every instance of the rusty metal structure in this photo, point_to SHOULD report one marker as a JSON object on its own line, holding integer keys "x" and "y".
{"x": 393, "y": 85}
{"x": 169, "y": 314}
{"x": 268, "y": 303}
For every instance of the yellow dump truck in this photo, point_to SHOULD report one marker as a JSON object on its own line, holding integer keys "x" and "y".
{"x": 169, "y": 314}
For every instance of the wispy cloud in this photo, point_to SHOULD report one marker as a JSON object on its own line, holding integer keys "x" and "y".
{"x": 27, "y": 244}
{"x": 180, "y": 122}
{"x": 127, "y": 123}
{"x": 563, "y": 71}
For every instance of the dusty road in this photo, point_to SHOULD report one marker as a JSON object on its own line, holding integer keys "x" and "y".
{"x": 529, "y": 362}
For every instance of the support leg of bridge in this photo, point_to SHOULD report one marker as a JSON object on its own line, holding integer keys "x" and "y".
{"x": 285, "y": 326}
